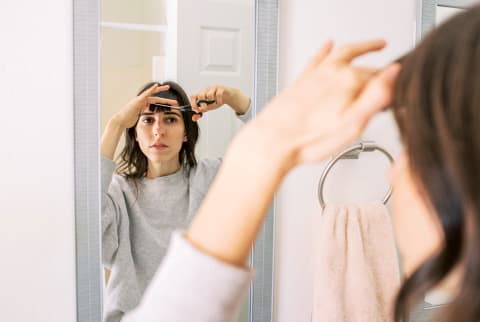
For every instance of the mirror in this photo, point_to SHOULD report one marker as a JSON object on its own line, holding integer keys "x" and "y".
{"x": 196, "y": 44}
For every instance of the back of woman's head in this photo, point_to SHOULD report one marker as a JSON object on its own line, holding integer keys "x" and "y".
{"x": 133, "y": 163}
{"x": 437, "y": 107}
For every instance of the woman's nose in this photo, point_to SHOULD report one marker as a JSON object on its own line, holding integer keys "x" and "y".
{"x": 158, "y": 129}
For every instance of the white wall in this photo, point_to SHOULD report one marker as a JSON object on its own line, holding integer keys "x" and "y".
{"x": 37, "y": 271}
{"x": 304, "y": 25}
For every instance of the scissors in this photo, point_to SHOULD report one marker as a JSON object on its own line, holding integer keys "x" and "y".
{"x": 183, "y": 108}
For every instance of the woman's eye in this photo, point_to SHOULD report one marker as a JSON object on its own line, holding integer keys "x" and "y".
{"x": 171, "y": 119}
{"x": 148, "y": 120}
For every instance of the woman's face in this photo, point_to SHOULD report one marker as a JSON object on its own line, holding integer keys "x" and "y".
{"x": 160, "y": 135}
{"x": 417, "y": 229}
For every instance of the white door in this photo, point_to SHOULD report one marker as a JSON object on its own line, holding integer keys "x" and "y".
{"x": 208, "y": 43}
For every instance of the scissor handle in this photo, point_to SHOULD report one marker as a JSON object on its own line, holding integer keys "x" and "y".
{"x": 206, "y": 101}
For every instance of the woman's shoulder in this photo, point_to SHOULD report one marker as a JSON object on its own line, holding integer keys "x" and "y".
{"x": 209, "y": 163}
{"x": 121, "y": 181}
{"x": 206, "y": 168}
{"x": 202, "y": 175}
{"x": 110, "y": 177}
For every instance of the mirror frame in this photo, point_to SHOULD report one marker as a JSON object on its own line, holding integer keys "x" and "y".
{"x": 426, "y": 13}
{"x": 86, "y": 73}
{"x": 425, "y": 21}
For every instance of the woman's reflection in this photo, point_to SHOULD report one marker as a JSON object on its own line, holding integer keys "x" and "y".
{"x": 158, "y": 185}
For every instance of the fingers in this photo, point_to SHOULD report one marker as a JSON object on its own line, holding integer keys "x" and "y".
{"x": 373, "y": 97}
{"x": 376, "y": 95}
{"x": 349, "y": 52}
{"x": 161, "y": 100}
{"x": 364, "y": 74}
{"x": 155, "y": 88}
{"x": 198, "y": 109}
{"x": 149, "y": 91}
{"x": 214, "y": 93}
{"x": 146, "y": 98}
{"x": 193, "y": 102}
{"x": 368, "y": 72}
{"x": 210, "y": 94}
{"x": 321, "y": 54}
{"x": 203, "y": 107}
{"x": 162, "y": 88}
{"x": 196, "y": 117}
{"x": 196, "y": 97}
{"x": 219, "y": 96}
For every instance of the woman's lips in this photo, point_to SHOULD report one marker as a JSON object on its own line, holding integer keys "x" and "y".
{"x": 159, "y": 146}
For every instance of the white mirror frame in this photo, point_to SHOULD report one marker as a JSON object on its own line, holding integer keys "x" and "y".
{"x": 425, "y": 21}
{"x": 86, "y": 16}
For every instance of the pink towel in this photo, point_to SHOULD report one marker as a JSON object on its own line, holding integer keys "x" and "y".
{"x": 356, "y": 265}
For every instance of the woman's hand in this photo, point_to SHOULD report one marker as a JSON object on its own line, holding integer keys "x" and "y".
{"x": 324, "y": 109}
{"x": 330, "y": 103}
{"x": 221, "y": 95}
{"x": 127, "y": 117}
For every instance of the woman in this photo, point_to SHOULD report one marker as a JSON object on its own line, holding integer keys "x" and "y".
{"x": 159, "y": 185}
{"x": 436, "y": 205}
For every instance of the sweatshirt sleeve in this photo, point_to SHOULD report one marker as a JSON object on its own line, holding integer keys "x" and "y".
{"x": 192, "y": 286}
{"x": 110, "y": 212}
{"x": 247, "y": 116}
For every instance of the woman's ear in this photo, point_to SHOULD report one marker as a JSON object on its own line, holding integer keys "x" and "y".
{"x": 185, "y": 138}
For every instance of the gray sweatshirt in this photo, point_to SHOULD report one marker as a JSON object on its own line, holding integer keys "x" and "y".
{"x": 137, "y": 223}
{"x": 192, "y": 286}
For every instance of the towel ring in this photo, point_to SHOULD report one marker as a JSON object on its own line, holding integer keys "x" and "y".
{"x": 352, "y": 152}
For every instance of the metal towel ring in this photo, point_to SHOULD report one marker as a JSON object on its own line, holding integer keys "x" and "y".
{"x": 352, "y": 152}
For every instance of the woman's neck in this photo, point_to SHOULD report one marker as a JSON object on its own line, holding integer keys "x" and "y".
{"x": 164, "y": 168}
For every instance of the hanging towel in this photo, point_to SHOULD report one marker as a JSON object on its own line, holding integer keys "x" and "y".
{"x": 356, "y": 274}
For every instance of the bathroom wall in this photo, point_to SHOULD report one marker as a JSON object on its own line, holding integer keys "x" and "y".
{"x": 304, "y": 25}
{"x": 37, "y": 236}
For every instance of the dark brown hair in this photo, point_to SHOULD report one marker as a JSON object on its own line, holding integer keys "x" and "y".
{"x": 134, "y": 164}
{"x": 437, "y": 108}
